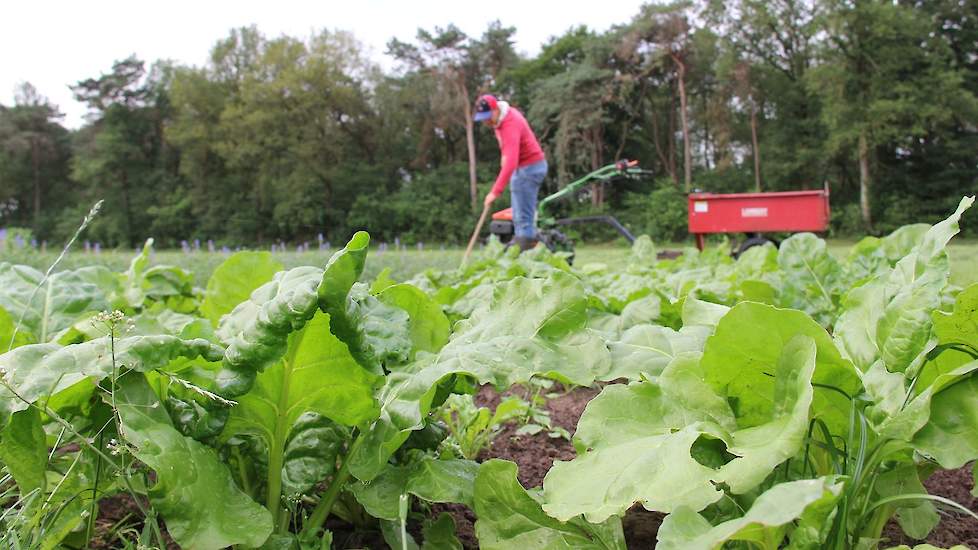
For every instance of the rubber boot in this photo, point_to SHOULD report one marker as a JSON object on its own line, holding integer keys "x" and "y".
{"x": 526, "y": 243}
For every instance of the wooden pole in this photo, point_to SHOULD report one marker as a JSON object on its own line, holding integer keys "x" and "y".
{"x": 475, "y": 234}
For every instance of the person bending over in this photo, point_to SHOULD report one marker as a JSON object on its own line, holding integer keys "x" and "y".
{"x": 523, "y": 165}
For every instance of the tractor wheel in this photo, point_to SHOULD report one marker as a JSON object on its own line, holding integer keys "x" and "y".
{"x": 752, "y": 241}
{"x": 554, "y": 240}
{"x": 557, "y": 242}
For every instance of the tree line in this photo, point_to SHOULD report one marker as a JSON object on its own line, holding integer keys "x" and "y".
{"x": 287, "y": 139}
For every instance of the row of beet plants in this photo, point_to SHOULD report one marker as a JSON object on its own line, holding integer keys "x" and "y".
{"x": 250, "y": 412}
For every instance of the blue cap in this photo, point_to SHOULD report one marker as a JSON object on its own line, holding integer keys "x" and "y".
{"x": 484, "y": 107}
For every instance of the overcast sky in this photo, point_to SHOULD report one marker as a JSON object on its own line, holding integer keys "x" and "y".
{"x": 52, "y": 44}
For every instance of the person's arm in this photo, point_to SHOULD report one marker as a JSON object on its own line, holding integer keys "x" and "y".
{"x": 509, "y": 139}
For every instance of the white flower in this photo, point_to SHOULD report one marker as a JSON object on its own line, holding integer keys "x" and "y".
{"x": 112, "y": 320}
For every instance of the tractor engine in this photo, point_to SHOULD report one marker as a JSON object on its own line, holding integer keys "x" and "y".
{"x": 502, "y": 227}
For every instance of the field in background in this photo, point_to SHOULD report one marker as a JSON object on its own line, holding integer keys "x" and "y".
{"x": 406, "y": 263}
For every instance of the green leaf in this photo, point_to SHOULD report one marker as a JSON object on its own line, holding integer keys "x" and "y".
{"x": 472, "y": 427}
{"x": 813, "y": 527}
{"x": 234, "y": 280}
{"x": 69, "y": 499}
{"x": 532, "y": 327}
{"x": 66, "y": 297}
{"x": 281, "y": 542}
{"x": 889, "y": 318}
{"x": 892, "y": 417}
{"x": 196, "y": 420}
{"x": 194, "y": 491}
{"x": 377, "y": 334}
{"x": 764, "y": 524}
{"x": 310, "y": 453}
{"x": 645, "y": 350}
{"x": 187, "y": 389}
{"x": 745, "y": 349}
{"x": 643, "y": 454}
{"x": 811, "y": 276}
{"x": 699, "y": 313}
{"x": 902, "y": 241}
{"x": 758, "y": 291}
{"x": 646, "y": 310}
{"x": 173, "y": 285}
{"x": 867, "y": 259}
{"x": 643, "y": 252}
{"x": 7, "y": 337}
{"x": 429, "y": 479}
{"x": 762, "y": 447}
{"x": 617, "y": 290}
{"x": 951, "y": 434}
{"x": 510, "y": 518}
{"x": 961, "y": 325}
{"x": 890, "y": 413}
{"x": 39, "y": 371}
{"x": 382, "y": 281}
{"x": 756, "y": 262}
{"x": 391, "y": 531}
{"x": 316, "y": 375}
{"x": 133, "y": 291}
{"x": 873, "y": 256}
{"x": 158, "y": 319}
{"x": 24, "y": 450}
{"x": 440, "y": 534}
{"x": 384, "y": 330}
{"x": 637, "y": 441}
{"x": 428, "y": 324}
{"x": 158, "y": 283}
{"x": 916, "y": 518}
{"x": 257, "y": 330}
{"x": 342, "y": 271}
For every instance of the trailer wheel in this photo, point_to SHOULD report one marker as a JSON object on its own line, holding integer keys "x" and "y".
{"x": 752, "y": 241}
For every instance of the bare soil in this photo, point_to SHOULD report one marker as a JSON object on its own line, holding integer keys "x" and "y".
{"x": 955, "y": 527}
{"x": 536, "y": 454}
{"x": 119, "y": 518}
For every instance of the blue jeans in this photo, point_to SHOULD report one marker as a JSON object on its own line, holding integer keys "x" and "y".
{"x": 523, "y": 189}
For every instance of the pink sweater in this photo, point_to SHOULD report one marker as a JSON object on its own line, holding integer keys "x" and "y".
{"x": 518, "y": 145}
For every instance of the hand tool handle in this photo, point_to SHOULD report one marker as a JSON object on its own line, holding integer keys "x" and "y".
{"x": 475, "y": 234}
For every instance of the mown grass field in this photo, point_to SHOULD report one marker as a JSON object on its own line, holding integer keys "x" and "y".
{"x": 407, "y": 262}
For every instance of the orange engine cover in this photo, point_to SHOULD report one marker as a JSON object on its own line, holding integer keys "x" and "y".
{"x": 506, "y": 215}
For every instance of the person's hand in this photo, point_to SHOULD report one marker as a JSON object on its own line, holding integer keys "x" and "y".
{"x": 490, "y": 197}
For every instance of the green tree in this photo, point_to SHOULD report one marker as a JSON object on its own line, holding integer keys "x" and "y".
{"x": 221, "y": 199}
{"x": 446, "y": 56}
{"x": 119, "y": 155}
{"x": 886, "y": 80}
{"x": 32, "y": 137}
{"x": 280, "y": 120}
{"x": 768, "y": 49}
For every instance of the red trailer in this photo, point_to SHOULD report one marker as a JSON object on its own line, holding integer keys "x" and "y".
{"x": 756, "y": 213}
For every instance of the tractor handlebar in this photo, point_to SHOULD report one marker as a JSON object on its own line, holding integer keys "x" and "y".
{"x": 615, "y": 169}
